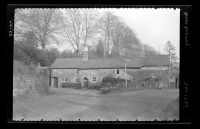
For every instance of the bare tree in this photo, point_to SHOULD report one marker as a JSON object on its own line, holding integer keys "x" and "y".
{"x": 90, "y": 24}
{"x": 73, "y": 25}
{"x": 79, "y": 27}
{"x": 116, "y": 34}
{"x": 106, "y": 24}
{"x": 43, "y": 22}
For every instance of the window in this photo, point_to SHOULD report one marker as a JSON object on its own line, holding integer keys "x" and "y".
{"x": 94, "y": 79}
{"x": 117, "y": 71}
{"x": 76, "y": 71}
{"x": 60, "y": 70}
{"x": 64, "y": 79}
{"x": 76, "y": 80}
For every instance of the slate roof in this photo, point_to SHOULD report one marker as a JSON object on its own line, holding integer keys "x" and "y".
{"x": 158, "y": 60}
{"x": 77, "y": 63}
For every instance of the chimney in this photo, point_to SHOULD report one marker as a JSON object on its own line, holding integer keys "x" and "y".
{"x": 85, "y": 54}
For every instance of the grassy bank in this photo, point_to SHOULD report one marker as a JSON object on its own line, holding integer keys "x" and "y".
{"x": 29, "y": 80}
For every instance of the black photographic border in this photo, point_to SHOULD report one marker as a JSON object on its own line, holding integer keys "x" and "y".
{"x": 185, "y": 50}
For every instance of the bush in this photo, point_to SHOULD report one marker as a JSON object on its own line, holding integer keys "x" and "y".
{"x": 71, "y": 85}
{"x": 172, "y": 85}
{"x": 132, "y": 84}
{"x": 111, "y": 82}
{"x": 19, "y": 68}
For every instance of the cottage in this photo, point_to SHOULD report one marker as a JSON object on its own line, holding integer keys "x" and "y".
{"x": 89, "y": 72}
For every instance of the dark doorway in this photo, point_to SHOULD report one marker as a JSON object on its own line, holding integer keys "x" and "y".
{"x": 85, "y": 82}
{"x": 55, "y": 82}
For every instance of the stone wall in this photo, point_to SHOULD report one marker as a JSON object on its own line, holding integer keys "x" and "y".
{"x": 145, "y": 77}
{"x": 101, "y": 73}
{"x": 23, "y": 85}
{"x": 70, "y": 74}
{"x": 134, "y": 75}
{"x": 98, "y": 73}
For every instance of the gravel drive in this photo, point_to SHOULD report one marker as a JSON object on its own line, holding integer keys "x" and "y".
{"x": 71, "y": 104}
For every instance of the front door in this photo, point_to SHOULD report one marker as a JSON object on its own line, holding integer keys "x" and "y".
{"x": 55, "y": 82}
{"x": 85, "y": 82}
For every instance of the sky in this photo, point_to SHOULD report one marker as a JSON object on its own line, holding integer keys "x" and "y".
{"x": 152, "y": 26}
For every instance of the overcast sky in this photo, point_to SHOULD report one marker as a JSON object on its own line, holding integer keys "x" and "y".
{"x": 153, "y": 26}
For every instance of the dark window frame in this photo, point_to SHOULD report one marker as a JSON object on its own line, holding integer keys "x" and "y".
{"x": 94, "y": 79}
{"x": 76, "y": 80}
{"x": 117, "y": 72}
{"x": 65, "y": 80}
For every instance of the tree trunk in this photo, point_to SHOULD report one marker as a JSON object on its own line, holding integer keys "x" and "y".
{"x": 43, "y": 43}
{"x": 104, "y": 48}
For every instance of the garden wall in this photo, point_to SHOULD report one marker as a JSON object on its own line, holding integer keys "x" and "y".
{"x": 23, "y": 85}
{"x": 149, "y": 78}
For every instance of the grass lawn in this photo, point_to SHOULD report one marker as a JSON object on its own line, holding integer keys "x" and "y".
{"x": 71, "y": 104}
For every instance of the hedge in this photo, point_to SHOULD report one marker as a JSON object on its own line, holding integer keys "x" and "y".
{"x": 71, "y": 85}
{"x": 113, "y": 82}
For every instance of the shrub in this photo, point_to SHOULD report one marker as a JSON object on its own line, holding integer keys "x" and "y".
{"x": 111, "y": 82}
{"x": 20, "y": 68}
{"x": 132, "y": 84}
{"x": 172, "y": 85}
{"x": 71, "y": 85}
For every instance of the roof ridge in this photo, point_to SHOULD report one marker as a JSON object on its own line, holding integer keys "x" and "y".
{"x": 110, "y": 63}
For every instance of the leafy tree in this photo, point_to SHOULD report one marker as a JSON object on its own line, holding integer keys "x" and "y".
{"x": 43, "y": 58}
{"x": 129, "y": 39}
{"x": 26, "y": 53}
{"x": 30, "y": 39}
{"x": 150, "y": 51}
{"x": 42, "y": 22}
{"x": 52, "y": 54}
{"x": 19, "y": 53}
